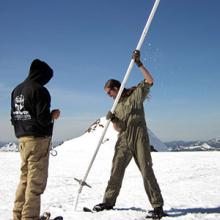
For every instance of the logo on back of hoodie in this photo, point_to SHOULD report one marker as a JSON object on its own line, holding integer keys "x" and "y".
{"x": 20, "y": 113}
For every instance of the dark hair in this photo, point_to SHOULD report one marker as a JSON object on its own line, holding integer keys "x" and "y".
{"x": 111, "y": 83}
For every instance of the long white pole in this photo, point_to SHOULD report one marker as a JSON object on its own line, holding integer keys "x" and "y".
{"x": 143, "y": 35}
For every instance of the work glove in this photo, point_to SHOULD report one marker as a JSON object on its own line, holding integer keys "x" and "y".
{"x": 110, "y": 116}
{"x": 114, "y": 119}
{"x": 136, "y": 56}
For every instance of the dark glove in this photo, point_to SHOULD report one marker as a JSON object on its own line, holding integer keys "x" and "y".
{"x": 136, "y": 56}
{"x": 110, "y": 116}
{"x": 114, "y": 119}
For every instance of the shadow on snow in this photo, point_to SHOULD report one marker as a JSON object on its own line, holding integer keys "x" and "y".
{"x": 175, "y": 212}
{"x": 131, "y": 208}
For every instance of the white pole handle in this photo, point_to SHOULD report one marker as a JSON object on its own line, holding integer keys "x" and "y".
{"x": 143, "y": 35}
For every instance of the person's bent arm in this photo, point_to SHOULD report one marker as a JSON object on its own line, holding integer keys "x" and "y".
{"x": 147, "y": 76}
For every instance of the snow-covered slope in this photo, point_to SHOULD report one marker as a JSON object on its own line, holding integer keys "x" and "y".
{"x": 156, "y": 142}
{"x": 95, "y": 130}
{"x": 189, "y": 182}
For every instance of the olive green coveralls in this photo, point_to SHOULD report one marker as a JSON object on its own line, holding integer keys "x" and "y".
{"x": 133, "y": 141}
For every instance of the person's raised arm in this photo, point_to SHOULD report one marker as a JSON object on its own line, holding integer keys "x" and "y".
{"x": 147, "y": 76}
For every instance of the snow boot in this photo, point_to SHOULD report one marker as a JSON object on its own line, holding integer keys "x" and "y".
{"x": 102, "y": 206}
{"x": 156, "y": 213}
{"x": 45, "y": 216}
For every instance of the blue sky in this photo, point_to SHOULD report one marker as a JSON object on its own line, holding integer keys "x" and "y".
{"x": 87, "y": 42}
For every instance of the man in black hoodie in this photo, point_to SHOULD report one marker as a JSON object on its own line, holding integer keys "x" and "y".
{"x": 33, "y": 125}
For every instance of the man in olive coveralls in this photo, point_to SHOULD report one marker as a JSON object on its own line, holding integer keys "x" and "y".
{"x": 133, "y": 141}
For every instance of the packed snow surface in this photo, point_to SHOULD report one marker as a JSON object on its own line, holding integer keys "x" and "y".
{"x": 189, "y": 181}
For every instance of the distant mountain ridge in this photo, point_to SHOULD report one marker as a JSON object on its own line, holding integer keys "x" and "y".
{"x": 209, "y": 145}
{"x": 2, "y": 143}
{"x": 10, "y": 147}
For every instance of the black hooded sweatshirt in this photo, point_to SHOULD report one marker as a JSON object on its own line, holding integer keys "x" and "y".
{"x": 30, "y": 103}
